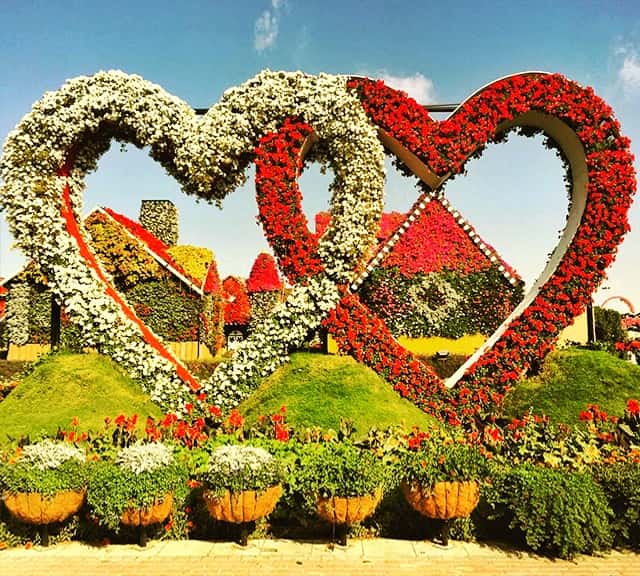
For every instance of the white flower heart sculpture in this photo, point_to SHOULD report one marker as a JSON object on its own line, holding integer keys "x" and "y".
{"x": 52, "y": 149}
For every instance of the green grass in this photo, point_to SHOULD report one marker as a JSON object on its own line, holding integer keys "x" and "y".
{"x": 573, "y": 378}
{"x": 65, "y": 385}
{"x": 318, "y": 389}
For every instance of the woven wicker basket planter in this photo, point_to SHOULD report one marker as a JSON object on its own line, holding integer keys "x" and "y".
{"x": 343, "y": 510}
{"x": 242, "y": 507}
{"x": 34, "y": 508}
{"x": 445, "y": 500}
{"x": 155, "y": 513}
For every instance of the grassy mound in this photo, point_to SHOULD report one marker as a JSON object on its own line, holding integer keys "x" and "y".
{"x": 318, "y": 389}
{"x": 65, "y": 385}
{"x": 573, "y": 378}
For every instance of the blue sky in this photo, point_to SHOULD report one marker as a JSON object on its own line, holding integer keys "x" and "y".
{"x": 438, "y": 51}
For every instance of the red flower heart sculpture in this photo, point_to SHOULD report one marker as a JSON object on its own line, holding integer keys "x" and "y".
{"x": 603, "y": 181}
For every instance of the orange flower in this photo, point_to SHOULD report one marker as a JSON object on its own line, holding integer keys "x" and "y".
{"x": 235, "y": 420}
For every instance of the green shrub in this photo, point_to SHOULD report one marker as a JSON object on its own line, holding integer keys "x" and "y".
{"x": 137, "y": 478}
{"x": 559, "y": 512}
{"x": 237, "y": 468}
{"x": 621, "y": 485}
{"x": 608, "y": 325}
{"x": 339, "y": 469}
{"x": 443, "y": 462}
{"x": 46, "y": 467}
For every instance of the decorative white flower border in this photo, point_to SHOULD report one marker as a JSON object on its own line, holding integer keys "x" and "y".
{"x": 67, "y": 131}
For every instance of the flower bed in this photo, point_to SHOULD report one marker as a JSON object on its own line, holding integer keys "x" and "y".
{"x": 527, "y": 469}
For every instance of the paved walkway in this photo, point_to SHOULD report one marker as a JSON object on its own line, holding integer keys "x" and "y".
{"x": 287, "y": 557}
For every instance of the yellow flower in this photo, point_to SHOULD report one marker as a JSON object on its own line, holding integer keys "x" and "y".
{"x": 591, "y": 454}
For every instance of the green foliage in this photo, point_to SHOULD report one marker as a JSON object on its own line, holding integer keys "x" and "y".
{"x": 318, "y": 390}
{"x": 24, "y": 477}
{"x": 447, "y": 304}
{"x": 439, "y": 460}
{"x": 339, "y": 469}
{"x": 86, "y": 386}
{"x": 168, "y": 307}
{"x": 113, "y": 488}
{"x": 570, "y": 380}
{"x": 608, "y": 325}
{"x": 212, "y": 325}
{"x": 193, "y": 259}
{"x": 237, "y": 468}
{"x": 621, "y": 485}
{"x": 557, "y": 511}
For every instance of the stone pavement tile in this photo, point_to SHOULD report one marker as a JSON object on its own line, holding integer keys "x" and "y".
{"x": 426, "y": 549}
{"x": 287, "y": 548}
{"x": 388, "y": 548}
{"x": 189, "y": 548}
{"x": 282, "y": 558}
{"x": 325, "y": 551}
{"x": 494, "y": 550}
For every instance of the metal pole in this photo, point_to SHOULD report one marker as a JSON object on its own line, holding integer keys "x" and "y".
{"x": 591, "y": 324}
{"x": 427, "y": 107}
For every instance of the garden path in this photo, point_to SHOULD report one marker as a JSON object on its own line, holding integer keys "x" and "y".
{"x": 287, "y": 557}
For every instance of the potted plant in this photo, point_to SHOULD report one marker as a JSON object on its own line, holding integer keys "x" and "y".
{"x": 44, "y": 483}
{"x": 344, "y": 481}
{"x": 440, "y": 479}
{"x": 241, "y": 484}
{"x": 137, "y": 488}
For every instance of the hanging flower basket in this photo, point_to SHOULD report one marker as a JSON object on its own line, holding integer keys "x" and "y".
{"x": 39, "y": 509}
{"x": 444, "y": 500}
{"x": 348, "y": 510}
{"x": 145, "y": 516}
{"x": 244, "y": 506}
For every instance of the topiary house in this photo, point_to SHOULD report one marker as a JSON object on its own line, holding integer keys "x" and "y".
{"x": 439, "y": 279}
{"x": 175, "y": 290}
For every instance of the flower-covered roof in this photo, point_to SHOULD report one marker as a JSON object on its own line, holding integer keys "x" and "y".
{"x": 439, "y": 239}
{"x": 264, "y": 275}
{"x": 156, "y": 247}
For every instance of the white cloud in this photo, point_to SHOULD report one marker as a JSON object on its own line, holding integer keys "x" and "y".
{"x": 265, "y": 28}
{"x": 629, "y": 73}
{"x": 418, "y": 86}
